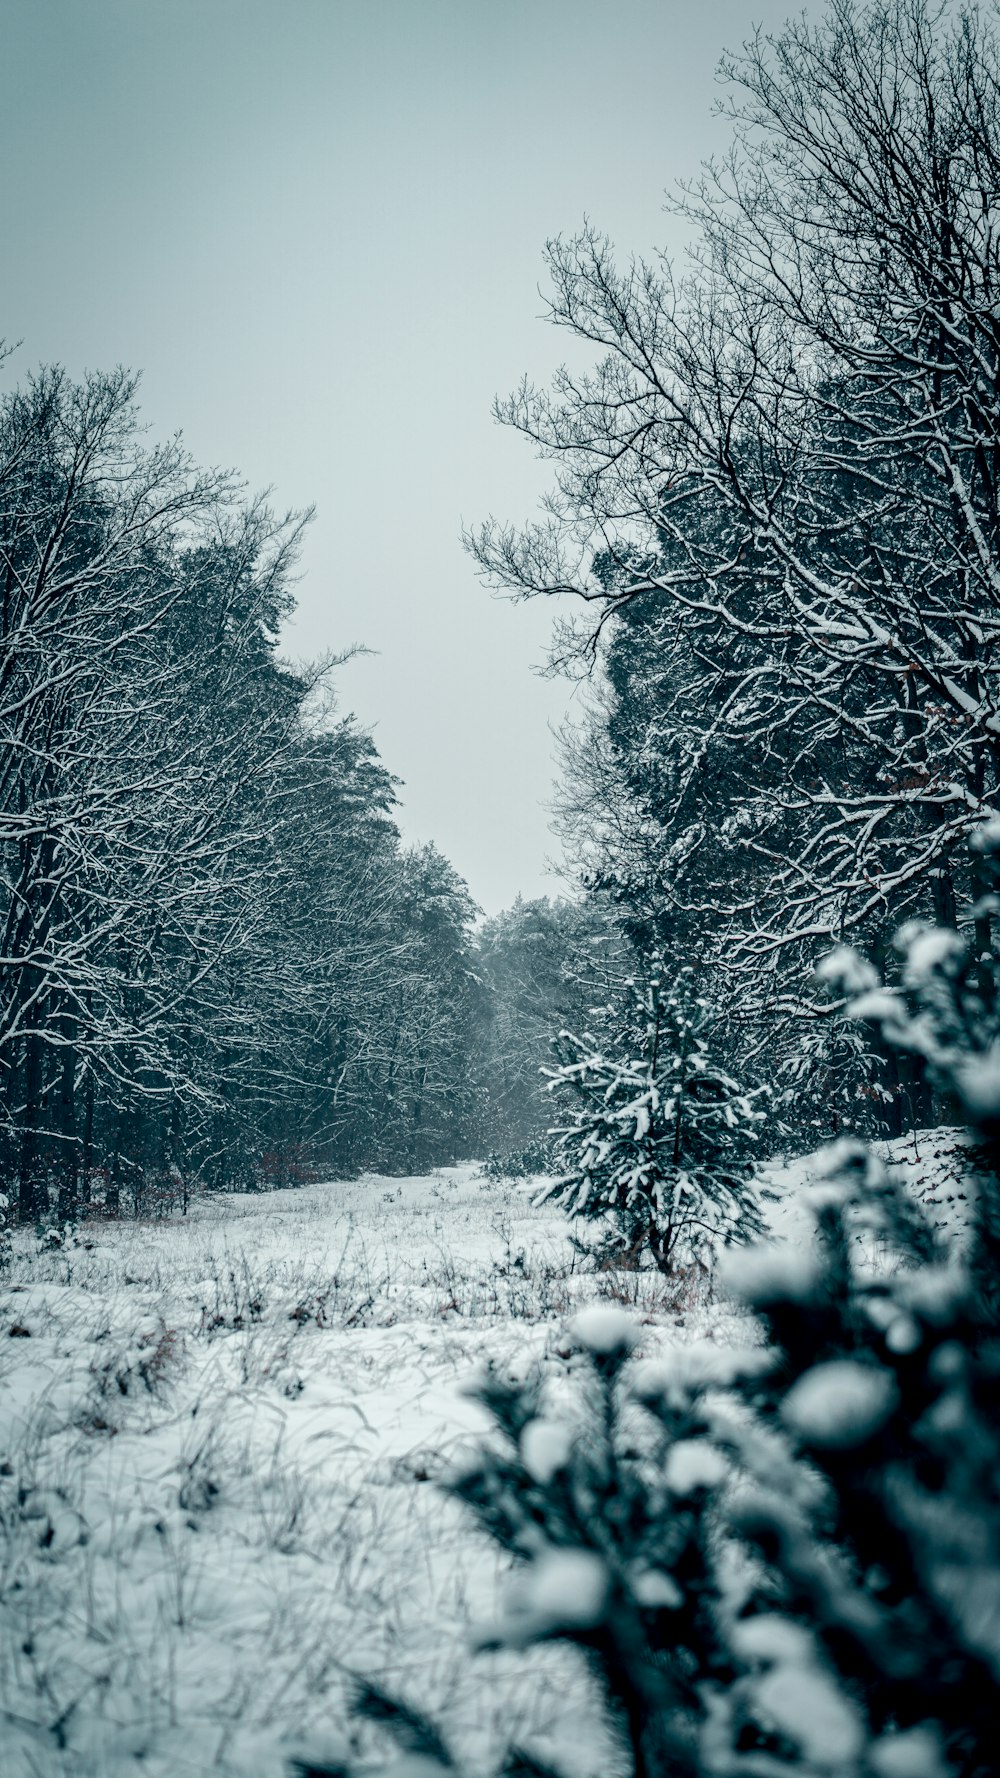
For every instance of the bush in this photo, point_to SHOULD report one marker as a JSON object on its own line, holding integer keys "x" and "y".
{"x": 654, "y": 1136}
{"x": 518, "y": 1163}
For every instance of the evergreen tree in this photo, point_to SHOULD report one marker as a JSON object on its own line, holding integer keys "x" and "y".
{"x": 654, "y": 1135}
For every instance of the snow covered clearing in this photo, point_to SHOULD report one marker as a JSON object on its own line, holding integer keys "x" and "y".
{"x": 218, "y": 1443}
{"x": 219, "y": 1439}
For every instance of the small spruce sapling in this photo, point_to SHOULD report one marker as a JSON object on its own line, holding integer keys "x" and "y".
{"x": 653, "y": 1135}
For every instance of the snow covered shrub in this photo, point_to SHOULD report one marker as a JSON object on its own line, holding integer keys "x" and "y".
{"x": 141, "y": 1365}
{"x": 53, "y": 1236}
{"x": 518, "y": 1163}
{"x": 654, "y": 1136}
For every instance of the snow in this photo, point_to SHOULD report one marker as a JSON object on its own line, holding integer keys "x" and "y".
{"x": 219, "y": 1438}
{"x": 911, "y": 1753}
{"x": 709, "y": 1363}
{"x": 927, "y": 949}
{"x": 692, "y": 1464}
{"x": 758, "y": 1274}
{"x": 978, "y": 1079}
{"x": 933, "y": 1166}
{"x": 604, "y": 1329}
{"x": 655, "y": 1590}
{"x": 546, "y": 1447}
{"x": 846, "y": 969}
{"x": 806, "y": 1705}
{"x": 768, "y": 1637}
{"x": 986, "y": 837}
{"x": 903, "y": 1334}
{"x": 219, "y": 1443}
{"x": 840, "y": 1404}
{"x": 562, "y": 1590}
{"x": 796, "y": 1693}
{"x": 882, "y": 1005}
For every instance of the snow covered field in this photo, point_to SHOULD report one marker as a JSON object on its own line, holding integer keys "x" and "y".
{"x": 218, "y": 1443}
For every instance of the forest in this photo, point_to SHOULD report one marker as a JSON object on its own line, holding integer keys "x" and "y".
{"x": 221, "y": 966}
{"x": 698, "y": 1163}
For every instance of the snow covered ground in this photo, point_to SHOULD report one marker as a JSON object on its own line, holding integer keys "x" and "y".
{"x": 218, "y": 1444}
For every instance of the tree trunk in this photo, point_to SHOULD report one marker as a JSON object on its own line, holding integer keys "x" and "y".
{"x": 68, "y": 1175}
{"x": 87, "y": 1152}
{"x": 30, "y": 1203}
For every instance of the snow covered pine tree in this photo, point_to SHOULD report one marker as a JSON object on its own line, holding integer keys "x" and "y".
{"x": 655, "y": 1138}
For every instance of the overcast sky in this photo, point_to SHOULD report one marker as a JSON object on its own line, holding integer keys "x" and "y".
{"x": 316, "y": 226}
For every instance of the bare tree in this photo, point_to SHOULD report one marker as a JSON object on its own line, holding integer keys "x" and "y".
{"x": 788, "y": 458}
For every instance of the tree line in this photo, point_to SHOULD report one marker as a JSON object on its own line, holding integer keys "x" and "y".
{"x": 777, "y": 506}
{"x": 220, "y": 965}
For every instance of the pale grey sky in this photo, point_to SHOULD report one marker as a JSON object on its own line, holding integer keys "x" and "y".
{"x": 316, "y": 226}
